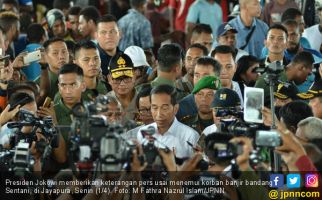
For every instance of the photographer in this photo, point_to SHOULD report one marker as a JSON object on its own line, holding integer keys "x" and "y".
{"x": 29, "y": 105}
{"x": 226, "y": 105}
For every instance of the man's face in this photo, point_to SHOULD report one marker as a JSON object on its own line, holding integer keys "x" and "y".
{"x": 300, "y": 21}
{"x": 293, "y": 38}
{"x": 204, "y": 99}
{"x": 59, "y": 28}
{"x": 57, "y": 54}
{"x": 83, "y": 26}
{"x": 298, "y": 72}
{"x": 163, "y": 112}
{"x": 205, "y": 39}
{"x": 123, "y": 85}
{"x": 253, "y": 8}
{"x": 229, "y": 39}
{"x": 108, "y": 35}
{"x": 282, "y": 102}
{"x": 228, "y": 67}
{"x": 192, "y": 56}
{"x": 70, "y": 88}
{"x": 145, "y": 110}
{"x": 202, "y": 71}
{"x": 90, "y": 61}
{"x": 73, "y": 20}
{"x": 316, "y": 106}
{"x": 276, "y": 41}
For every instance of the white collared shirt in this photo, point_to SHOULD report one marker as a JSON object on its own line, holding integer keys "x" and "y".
{"x": 175, "y": 137}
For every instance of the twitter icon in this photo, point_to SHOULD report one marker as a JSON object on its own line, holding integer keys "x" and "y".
{"x": 293, "y": 181}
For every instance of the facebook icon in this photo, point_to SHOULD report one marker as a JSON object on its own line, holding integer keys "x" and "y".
{"x": 277, "y": 180}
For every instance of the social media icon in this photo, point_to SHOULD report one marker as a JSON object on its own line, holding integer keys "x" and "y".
{"x": 277, "y": 180}
{"x": 311, "y": 180}
{"x": 293, "y": 181}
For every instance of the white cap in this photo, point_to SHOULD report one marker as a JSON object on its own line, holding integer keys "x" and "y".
{"x": 137, "y": 56}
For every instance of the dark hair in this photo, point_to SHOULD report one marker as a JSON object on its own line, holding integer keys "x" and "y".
{"x": 137, "y": 3}
{"x": 243, "y": 64}
{"x": 290, "y": 22}
{"x": 70, "y": 45}
{"x": 85, "y": 44}
{"x": 144, "y": 92}
{"x": 25, "y": 20}
{"x": 290, "y": 13}
{"x": 199, "y": 46}
{"x": 293, "y": 112}
{"x": 165, "y": 89}
{"x": 206, "y": 60}
{"x": 18, "y": 97}
{"x": 75, "y": 10}
{"x": 13, "y": 2}
{"x": 304, "y": 57}
{"x": 61, "y": 4}
{"x": 35, "y": 33}
{"x": 278, "y": 27}
{"x": 12, "y": 89}
{"x": 223, "y": 49}
{"x": 169, "y": 55}
{"x": 90, "y": 13}
{"x": 71, "y": 68}
{"x": 7, "y": 20}
{"x": 107, "y": 18}
{"x": 202, "y": 28}
{"x": 47, "y": 43}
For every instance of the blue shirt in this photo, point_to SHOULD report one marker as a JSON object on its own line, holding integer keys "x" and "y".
{"x": 136, "y": 30}
{"x": 201, "y": 11}
{"x": 33, "y": 70}
{"x": 256, "y": 42}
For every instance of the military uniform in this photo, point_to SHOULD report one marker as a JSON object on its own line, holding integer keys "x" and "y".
{"x": 63, "y": 116}
{"x": 88, "y": 93}
{"x": 162, "y": 81}
{"x": 184, "y": 84}
{"x": 53, "y": 87}
{"x": 195, "y": 122}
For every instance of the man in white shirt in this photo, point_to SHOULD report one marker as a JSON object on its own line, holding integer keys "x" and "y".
{"x": 314, "y": 33}
{"x": 169, "y": 131}
{"x": 225, "y": 56}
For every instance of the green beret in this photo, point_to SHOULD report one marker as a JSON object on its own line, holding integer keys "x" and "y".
{"x": 210, "y": 82}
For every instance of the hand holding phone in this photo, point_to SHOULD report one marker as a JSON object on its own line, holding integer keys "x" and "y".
{"x": 47, "y": 102}
{"x": 32, "y": 57}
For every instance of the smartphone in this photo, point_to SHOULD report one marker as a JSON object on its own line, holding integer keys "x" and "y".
{"x": 47, "y": 102}
{"x": 32, "y": 57}
{"x": 268, "y": 139}
{"x": 253, "y": 105}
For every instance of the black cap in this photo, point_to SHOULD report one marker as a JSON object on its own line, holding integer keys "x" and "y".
{"x": 314, "y": 91}
{"x": 286, "y": 90}
{"x": 224, "y": 98}
{"x": 121, "y": 65}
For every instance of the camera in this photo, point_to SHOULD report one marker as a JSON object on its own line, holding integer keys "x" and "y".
{"x": 275, "y": 67}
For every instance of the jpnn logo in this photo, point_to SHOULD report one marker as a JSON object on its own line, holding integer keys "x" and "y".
{"x": 277, "y": 180}
{"x": 293, "y": 181}
{"x": 311, "y": 180}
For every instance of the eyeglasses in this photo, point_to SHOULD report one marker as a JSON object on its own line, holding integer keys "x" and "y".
{"x": 119, "y": 80}
{"x": 146, "y": 111}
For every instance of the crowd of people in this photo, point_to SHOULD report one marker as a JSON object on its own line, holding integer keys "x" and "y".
{"x": 169, "y": 73}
